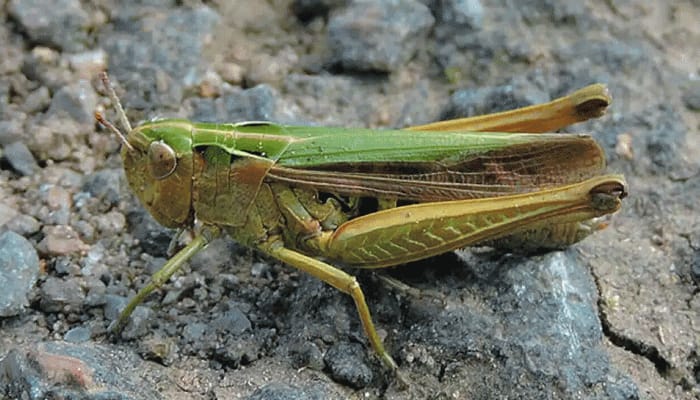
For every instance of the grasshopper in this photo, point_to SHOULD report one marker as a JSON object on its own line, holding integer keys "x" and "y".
{"x": 371, "y": 198}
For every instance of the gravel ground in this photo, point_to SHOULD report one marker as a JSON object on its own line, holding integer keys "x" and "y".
{"x": 615, "y": 316}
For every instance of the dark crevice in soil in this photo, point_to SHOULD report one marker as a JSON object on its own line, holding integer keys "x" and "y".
{"x": 441, "y": 374}
{"x": 635, "y": 346}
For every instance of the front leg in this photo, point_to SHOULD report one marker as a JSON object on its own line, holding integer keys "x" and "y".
{"x": 202, "y": 237}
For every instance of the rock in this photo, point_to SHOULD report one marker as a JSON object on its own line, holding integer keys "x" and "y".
{"x": 114, "y": 305}
{"x": 232, "y": 322}
{"x": 105, "y": 185}
{"x": 484, "y": 100}
{"x": 691, "y": 96}
{"x": 20, "y": 158}
{"x": 377, "y": 36}
{"x": 153, "y": 237}
{"x": 347, "y": 365}
{"x": 60, "y": 370}
{"x": 255, "y": 104}
{"x": 525, "y": 320}
{"x": 461, "y": 14}
{"x": 61, "y": 240}
{"x": 110, "y": 223}
{"x": 61, "y": 295}
{"x": 194, "y": 331}
{"x": 552, "y": 11}
{"x": 78, "y": 100}
{"x": 78, "y": 334}
{"x": 159, "y": 54}
{"x": 19, "y": 269}
{"x": 137, "y": 324}
{"x": 12, "y": 130}
{"x": 37, "y": 100}
{"x": 7, "y": 213}
{"x": 47, "y": 66}
{"x": 56, "y": 137}
{"x": 281, "y": 391}
{"x": 88, "y": 64}
{"x": 22, "y": 224}
{"x": 62, "y": 23}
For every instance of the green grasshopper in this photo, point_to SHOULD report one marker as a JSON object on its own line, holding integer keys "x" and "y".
{"x": 371, "y": 198}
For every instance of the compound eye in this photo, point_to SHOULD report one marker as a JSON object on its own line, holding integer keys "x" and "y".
{"x": 162, "y": 160}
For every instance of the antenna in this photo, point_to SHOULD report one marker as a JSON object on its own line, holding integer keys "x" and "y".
{"x": 111, "y": 127}
{"x": 121, "y": 115}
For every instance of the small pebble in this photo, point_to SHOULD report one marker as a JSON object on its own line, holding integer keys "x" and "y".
{"x": 78, "y": 100}
{"x": 77, "y": 335}
{"x": 37, "y": 100}
{"x": 89, "y": 63}
{"x": 58, "y": 198}
{"x": 61, "y": 240}
{"x": 7, "y": 213}
{"x": 20, "y": 158}
{"x": 232, "y": 322}
{"x": 62, "y": 23}
{"x": 231, "y": 73}
{"x": 283, "y": 391}
{"x": 24, "y": 225}
{"x": 348, "y": 366}
{"x": 61, "y": 295}
{"x": 113, "y": 306}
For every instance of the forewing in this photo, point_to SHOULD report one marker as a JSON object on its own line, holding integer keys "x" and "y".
{"x": 437, "y": 166}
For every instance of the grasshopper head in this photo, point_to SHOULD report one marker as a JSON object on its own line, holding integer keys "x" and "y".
{"x": 158, "y": 162}
{"x": 159, "y": 169}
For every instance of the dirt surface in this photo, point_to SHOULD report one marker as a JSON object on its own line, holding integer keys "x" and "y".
{"x": 616, "y": 316}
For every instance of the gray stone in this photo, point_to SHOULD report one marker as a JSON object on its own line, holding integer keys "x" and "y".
{"x": 61, "y": 370}
{"x": 484, "y": 100}
{"x": 194, "y": 331}
{"x": 283, "y": 391}
{"x": 37, "y": 100}
{"x": 232, "y": 322}
{"x": 255, "y": 104}
{"x": 20, "y": 158}
{"x": 137, "y": 324}
{"x": 78, "y": 334}
{"x": 158, "y": 55}
{"x": 59, "y": 295}
{"x": 348, "y": 365}
{"x": 61, "y": 240}
{"x": 78, "y": 100}
{"x": 461, "y": 14}
{"x": 23, "y": 224}
{"x": 105, "y": 184}
{"x": 377, "y": 36}
{"x": 691, "y": 96}
{"x": 535, "y": 320}
{"x": 61, "y": 23}
{"x": 48, "y": 67}
{"x": 153, "y": 237}
{"x": 113, "y": 305}
{"x": 7, "y": 213}
{"x": 19, "y": 269}
{"x": 12, "y": 130}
